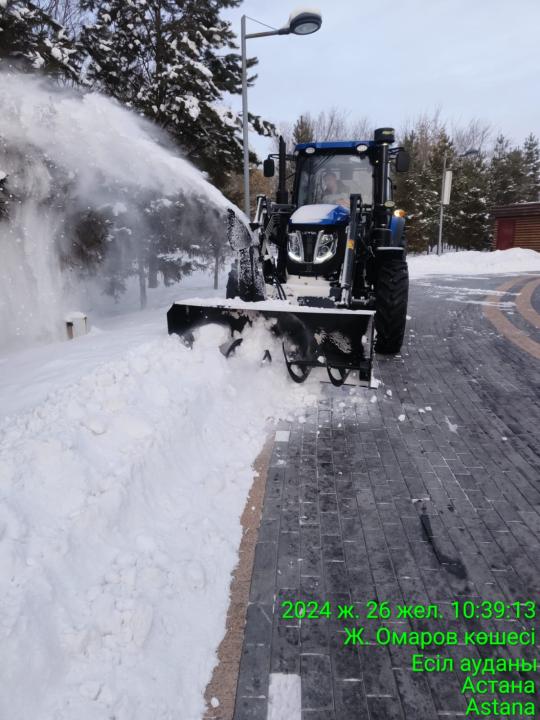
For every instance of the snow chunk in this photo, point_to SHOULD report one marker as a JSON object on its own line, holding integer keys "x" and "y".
{"x": 451, "y": 426}
{"x": 192, "y": 106}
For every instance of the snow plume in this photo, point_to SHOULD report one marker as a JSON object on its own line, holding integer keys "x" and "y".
{"x": 87, "y": 190}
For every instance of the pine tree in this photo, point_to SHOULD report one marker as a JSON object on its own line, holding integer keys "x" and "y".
{"x": 469, "y": 208}
{"x": 506, "y": 174}
{"x": 452, "y": 213}
{"x": 30, "y": 39}
{"x": 65, "y": 12}
{"x": 417, "y": 192}
{"x": 531, "y": 167}
{"x": 173, "y": 60}
{"x": 167, "y": 246}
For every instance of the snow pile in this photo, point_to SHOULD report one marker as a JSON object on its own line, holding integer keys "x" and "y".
{"x": 66, "y": 159}
{"x": 119, "y": 527}
{"x": 473, "y": 262}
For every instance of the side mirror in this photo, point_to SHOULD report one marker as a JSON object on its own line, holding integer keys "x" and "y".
{"x": 269, "y": 168}
{"x": 403, "y": 161}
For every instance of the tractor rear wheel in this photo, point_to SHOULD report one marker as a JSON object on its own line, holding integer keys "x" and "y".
{"x": 391, "y": 305}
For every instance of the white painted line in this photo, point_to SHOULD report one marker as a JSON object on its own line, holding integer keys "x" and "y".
{"x": 283, "y": 435}
{"x": 284, "y": 697}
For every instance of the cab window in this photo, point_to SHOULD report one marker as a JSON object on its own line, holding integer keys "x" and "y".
{"x": 331, "y": 179}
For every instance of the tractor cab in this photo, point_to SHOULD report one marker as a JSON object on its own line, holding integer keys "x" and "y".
{"x": 316, "y": 219}
{"x": 327, "y": 174}
{"x": 330, "y": 172}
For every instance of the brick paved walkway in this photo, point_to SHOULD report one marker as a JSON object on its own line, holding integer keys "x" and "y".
{"x": 424, "y": 491}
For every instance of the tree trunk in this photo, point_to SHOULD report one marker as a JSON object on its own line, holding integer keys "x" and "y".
{"x": 216, "y": 271}
{"x": 152, "y": 273}
{"x": 142, "y": 284}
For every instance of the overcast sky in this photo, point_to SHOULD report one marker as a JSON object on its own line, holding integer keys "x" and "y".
{"x": 394, "y": 59}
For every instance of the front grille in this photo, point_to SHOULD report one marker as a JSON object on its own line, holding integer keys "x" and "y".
{"x": 309, "y": 240}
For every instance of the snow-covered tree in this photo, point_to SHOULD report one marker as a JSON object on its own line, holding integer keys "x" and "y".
{"x": 66, "y": 12}
{"x": 506, "y": 174}
{"x": 173, "y": 61}
{"x": 31, "y": 39}
{"x": 469, "y": 224}
{"x": 531, "y": 168}
{"x": 418, "y": 191}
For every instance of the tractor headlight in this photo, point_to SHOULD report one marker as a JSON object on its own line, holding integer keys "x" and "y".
{"x": 325, "y": 247}
{"x": 296, "y": 246}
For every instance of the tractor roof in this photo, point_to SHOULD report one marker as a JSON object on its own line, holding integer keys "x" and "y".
{"x": 334, "y": 144}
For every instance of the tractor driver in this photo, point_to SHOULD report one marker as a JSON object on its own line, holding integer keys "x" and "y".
{"x": 334, "y": 190}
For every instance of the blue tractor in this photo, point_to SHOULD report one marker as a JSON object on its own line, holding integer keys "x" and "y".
{"x": 326, "y": 263}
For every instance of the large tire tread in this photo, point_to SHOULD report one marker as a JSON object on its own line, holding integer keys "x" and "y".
{"x": 392, "y": 295}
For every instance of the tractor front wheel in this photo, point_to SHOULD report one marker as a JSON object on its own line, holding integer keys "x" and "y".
{"x": 392, "y": 293}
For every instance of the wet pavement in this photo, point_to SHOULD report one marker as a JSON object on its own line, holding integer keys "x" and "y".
{"x": 422, "y": 492}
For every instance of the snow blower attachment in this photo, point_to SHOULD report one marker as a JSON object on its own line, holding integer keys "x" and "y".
{"x": 340, "y": 340}
{"x": 324, "y": 271}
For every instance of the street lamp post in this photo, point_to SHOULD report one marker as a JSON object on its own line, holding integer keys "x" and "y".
{"x": 439, "y": 243}
{"x": 301, "y": 22}
{"x": 468, "y": 153}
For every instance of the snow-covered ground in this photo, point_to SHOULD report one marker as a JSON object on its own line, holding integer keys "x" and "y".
{"x": 125, "y": 463}
{"x": 473, "y": 262}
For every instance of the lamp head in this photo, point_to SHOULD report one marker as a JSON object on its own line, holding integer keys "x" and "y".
{"x": 305, "y": 21}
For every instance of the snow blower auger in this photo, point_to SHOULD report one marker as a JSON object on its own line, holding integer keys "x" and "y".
{"x": 325, "y": 270}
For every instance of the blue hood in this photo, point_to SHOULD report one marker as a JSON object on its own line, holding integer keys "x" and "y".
{"x": 323, "y": 214}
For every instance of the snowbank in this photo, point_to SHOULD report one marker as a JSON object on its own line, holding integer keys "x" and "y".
{"x": 473, "y": 262}
{"x": 121, "y": 494}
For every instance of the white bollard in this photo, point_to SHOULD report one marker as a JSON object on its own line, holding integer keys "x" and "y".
{"x": 76, "y": 324}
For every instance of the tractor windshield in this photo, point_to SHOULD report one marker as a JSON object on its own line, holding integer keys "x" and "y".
{"x": 332, "y": 178}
